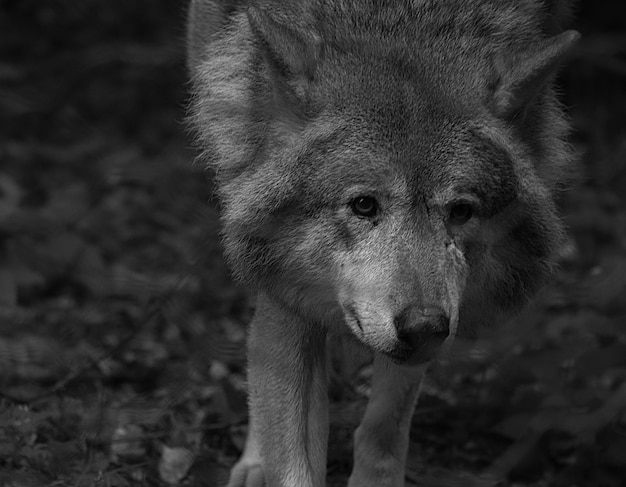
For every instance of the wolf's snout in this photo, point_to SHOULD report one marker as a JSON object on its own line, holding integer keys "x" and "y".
{"x": 416, "y": 326}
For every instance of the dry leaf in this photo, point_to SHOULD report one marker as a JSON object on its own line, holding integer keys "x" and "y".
{"x": 174, "y": 464}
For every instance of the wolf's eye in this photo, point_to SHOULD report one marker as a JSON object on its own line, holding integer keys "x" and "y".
{"x": 460, "y": 213}
{"x": 366, "y": 206}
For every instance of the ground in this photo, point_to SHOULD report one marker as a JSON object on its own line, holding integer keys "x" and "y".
{"x": 121, "y": 332}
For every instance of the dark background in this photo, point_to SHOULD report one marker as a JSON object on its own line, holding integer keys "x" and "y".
{"x": 121, "y": 333}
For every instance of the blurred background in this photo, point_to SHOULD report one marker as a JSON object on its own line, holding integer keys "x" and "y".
{"x": 122, "y": 334}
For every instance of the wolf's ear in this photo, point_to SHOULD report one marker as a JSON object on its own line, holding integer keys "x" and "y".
{"x": 206, "y": 20}
{"x": 521, "y": 76}
{"x": 291, "y": 48}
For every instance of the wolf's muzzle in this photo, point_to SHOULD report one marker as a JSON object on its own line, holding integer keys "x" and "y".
{"x": 421, "y": 331}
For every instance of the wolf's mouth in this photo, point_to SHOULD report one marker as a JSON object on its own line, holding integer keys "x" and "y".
{"x": 358, "y": 321}
{"x": 352, "y": 315}
{"x": 420, "y": 348}
{"x": 425, "y": 351}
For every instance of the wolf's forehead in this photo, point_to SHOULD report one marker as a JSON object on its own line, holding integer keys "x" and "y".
{"x": 402, "y": 126}
{"x": 401, "y": 100}
{"x": 405, "y": 125}
{"x": 440, "y": 157}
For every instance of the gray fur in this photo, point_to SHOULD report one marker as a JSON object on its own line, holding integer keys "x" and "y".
{"x": 302, "y": 107}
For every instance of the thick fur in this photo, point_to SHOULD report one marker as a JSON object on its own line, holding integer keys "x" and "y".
{"x": 301, "y": 108}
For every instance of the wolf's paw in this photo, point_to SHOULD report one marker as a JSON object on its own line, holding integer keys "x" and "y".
{"x": 247, "y": 473}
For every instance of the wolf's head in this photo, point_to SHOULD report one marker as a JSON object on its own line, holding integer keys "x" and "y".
{"x": 393, "y": 165}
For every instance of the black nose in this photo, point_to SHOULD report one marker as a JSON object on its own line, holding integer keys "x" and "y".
{"x": 416, "y": 326}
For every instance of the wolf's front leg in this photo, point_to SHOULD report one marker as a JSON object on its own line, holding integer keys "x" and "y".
{"x": 288, "y": 401}
{"x": 248, "y": 471}
{"x": 381, "y": 441}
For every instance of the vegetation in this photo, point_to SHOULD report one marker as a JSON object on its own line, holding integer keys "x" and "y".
{"x": 122, "y": 335}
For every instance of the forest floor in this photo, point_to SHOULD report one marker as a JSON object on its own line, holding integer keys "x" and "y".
{"x": 122, "y": 356}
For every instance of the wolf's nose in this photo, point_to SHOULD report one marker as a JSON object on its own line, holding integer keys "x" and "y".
{"x": 415, "y": 326}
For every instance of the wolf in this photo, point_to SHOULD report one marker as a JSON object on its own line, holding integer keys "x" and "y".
{"x": 387, "y": 167}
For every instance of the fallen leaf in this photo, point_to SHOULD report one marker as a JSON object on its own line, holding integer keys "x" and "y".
{"x": 174, "y": 464}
